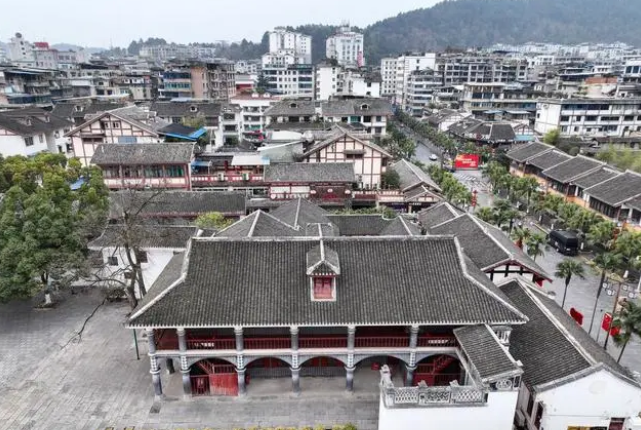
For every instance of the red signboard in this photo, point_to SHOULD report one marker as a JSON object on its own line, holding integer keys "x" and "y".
{"x": 467, "y": 161}
{"x": 577, "y": 316}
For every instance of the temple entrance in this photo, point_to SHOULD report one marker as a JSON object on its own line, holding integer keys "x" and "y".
{"x": 367, "y": 376}
{"x": 267, "y": 368}
{"x": 322, "y": 374}
{"x": 438, "y": 370}
{"x": 213, "y": 377}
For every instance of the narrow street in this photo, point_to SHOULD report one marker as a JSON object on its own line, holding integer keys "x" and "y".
{"x": 581, "y": 292}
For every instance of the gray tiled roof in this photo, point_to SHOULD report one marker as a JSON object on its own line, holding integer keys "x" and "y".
{"x": 618, "y": 189}
{"x": 300, "y": 212}
{"x": 437, "y": 214}
{"x": 551, "y": 345}
{"x": 143, "y": 153}
{"x": 32, "y": 121}
{"x": 259, "y": 224}
{"x": 292, "y": 108}
{"x": 485, "y": 352}
{"x": 310, "y": 172}
{"x": 399, "y": 226}
{"x": 486, "y": 245}
{"x": 459, "y": 128}
{"x": 184, "y": 109}
{"x": 524, "y": 153}
{"x": 354, "y": 107}
{"x": 594, "y": 178}
{"x": 634, "y": 203}
{"x": 549, "y": 159}
{"x": 573, "y": 168}
{"x": 359, "y": 225}
{"x": 410, "y": 175}
{"x": 501, "y": 132}
{"x": 176, "y": 203}
{"x": 271, "y": 287}
{"x": 68, "y": 109}
{"x": 147, "y": 236}
{"x": 167, "y": 277}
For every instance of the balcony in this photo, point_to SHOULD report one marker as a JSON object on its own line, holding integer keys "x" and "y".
{"x": 222, "y": 178}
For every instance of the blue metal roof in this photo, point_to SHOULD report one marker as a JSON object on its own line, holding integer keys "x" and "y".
{"x": 76, "y": 185}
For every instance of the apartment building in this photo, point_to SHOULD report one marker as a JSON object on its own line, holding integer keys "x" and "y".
{"x": 25, "y": 86}
{"x": 421, "y": 86}
{"x": 175, "y": 83}
{"x": 461, "y": 70}
{"x": 333, "y": 80}
{"x": 287, "y": 47}
{"x": 483, "y": 97}
{"x": 294, "y": 80}
{"x": 346, "y": 47}
{"x": 605, "y": 117}
{"x": 252, "y": 119}
{"x": 213, "y": 80}
{"x": 405, "y": 66}
{"x": 388, "y": 75}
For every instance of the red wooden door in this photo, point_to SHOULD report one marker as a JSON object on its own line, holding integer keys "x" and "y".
{"x": 223, "y": 384}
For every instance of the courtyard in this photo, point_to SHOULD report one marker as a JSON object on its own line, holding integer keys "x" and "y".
{"x": 53, "y": 378}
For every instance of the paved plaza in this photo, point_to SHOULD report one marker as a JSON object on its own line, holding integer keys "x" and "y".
{"x": 50, "y": 380}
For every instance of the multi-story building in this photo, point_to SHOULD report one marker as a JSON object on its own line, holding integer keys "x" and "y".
{"x": 420, "y": 91}
{"x": 327, "y": 80}
{"x": 177, "y": 51}
{"x": 405, "y": 66}
{"x": 482, "y": 97}
{"x": 26, "y": 86}
{"x": 295, "y": 80}
{"x": 632, "y": 72}
{"x": 20, "y": 50}
{"x": 388, "y": 75}
{"x": 213, "y": 80}
{"x": 606, "y": 117}
{"x": 346, "y": 47}
{"x": 252, "y": 109}
{"x": 332, "y": 80}
{"x": 175, "y": 83}
{"x": 284, "y": 43}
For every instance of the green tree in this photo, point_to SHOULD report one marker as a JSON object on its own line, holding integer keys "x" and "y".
{"x": 526, "y": 186}
{"x": 213, "y": 220}
{"x": 486, "y": 214}
{"x": 567, "y": 269}
{"x": 44, "y": 225}
{"x": 629, "y": 322}
{"x": 602, "y": 234}
{"x": 604, "y": 263}
{"x": 504, "y": 213}
{"x": 535, "y": 245}
{"x": 552, "y": 137}
{"x": 391, "y": 179}
{"x": 520, "y": 235}
{"x": 582, "y": 220}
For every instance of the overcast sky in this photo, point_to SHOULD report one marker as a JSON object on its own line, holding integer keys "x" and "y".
{"x": 99, "y": 23}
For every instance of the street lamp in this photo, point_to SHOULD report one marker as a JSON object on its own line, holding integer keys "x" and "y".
{"x": 631, "y": 294}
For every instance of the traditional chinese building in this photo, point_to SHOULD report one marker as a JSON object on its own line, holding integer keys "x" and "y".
{"x": 141, "y": 166}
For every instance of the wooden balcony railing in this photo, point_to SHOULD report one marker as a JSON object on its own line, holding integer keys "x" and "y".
{"x": 436, "y": 340}
{"x": 322, "y": 342}
{"x": 382, "y": 342}
{"x": 267, "y": 343}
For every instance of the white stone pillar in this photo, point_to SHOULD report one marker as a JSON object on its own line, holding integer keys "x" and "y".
{"x": 184, "y": 369}
{"x": 153, "y": 361}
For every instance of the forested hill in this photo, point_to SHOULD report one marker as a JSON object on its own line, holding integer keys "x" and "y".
{"x": 471, "y": 23}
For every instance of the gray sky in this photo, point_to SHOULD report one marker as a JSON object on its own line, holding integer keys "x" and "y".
{"x": 97, "y": 23}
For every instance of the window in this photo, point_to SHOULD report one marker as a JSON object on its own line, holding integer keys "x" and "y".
{"x": 127, "y": 139}
{"x": 530, "y": 405}
{"x": 616, "y": 423}
{"x": 564, "y": 118}
{"x": 41, "y": 138}
{"x": 175, "y": 171}
{"x": 353, "y": 156}
{"x": 112, "y": 261}
{"x": 115, "y": 125}
{"x": 28, "y": 141}
{"x": 141, "y": 257}
{"x": 367, "y": 119}
{"x": 539, "y": 415}
{"x": 323, "y": 288}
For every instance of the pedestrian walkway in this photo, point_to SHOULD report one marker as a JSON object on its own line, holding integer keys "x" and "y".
{"x": 52, "y": 379}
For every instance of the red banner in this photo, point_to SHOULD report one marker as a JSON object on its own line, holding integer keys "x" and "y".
{"x": 467, "y": 161}
{"x": 607, "y": 323}
{"x": 576, "y": 316}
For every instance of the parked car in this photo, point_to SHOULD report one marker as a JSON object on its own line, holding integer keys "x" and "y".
{"x": 434, "y": 157}
{"x": 564, "y": 241}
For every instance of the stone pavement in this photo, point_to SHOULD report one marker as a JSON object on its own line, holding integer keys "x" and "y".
{"x": 48, "y": 380}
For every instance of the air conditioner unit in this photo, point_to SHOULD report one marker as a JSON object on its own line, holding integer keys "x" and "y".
{"x": 519, "y": 418}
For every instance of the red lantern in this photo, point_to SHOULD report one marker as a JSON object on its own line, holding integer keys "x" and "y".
{"x": 576, "y": 316}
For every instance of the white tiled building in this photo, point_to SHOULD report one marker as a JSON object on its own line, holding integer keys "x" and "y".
{"x": 346, "y": 47}
{"x": 395, "y": 73}
{"x": 589, "y": 117}
{"x": 288, "y": 47}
